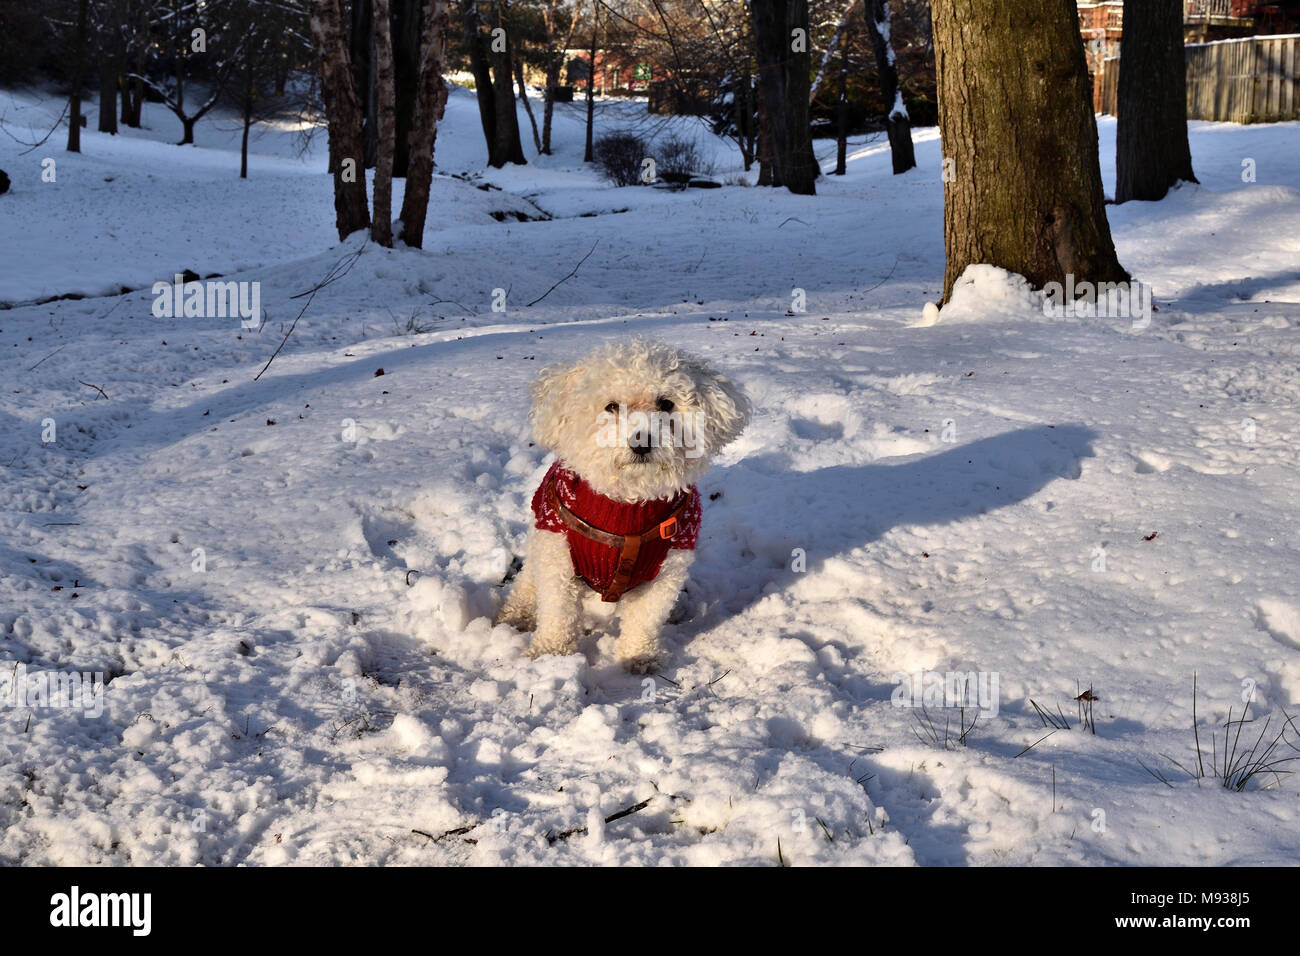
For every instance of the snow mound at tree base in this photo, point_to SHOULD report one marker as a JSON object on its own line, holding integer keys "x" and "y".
{"x": 985, "y": 293}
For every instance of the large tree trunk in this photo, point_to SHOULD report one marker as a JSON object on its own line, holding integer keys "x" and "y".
{"x": 78, "y": 77}
{"x": 381, "y": 229}
{"x": 1151, "y": 149}
{"x": 343, "y": 115}
{"x": 1015, "y": 116}
{"x": 108, "y": 73}
{"x": 784, "y": 76}
{"x": 430, "y": 101}
{"x": 897, "y": 122}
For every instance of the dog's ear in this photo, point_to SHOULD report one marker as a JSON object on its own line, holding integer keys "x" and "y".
{"x": 553, "y": 396}
{"x": 726, "y": 408}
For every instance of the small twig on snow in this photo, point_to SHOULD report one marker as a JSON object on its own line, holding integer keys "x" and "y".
{"x": 571, "y": 274}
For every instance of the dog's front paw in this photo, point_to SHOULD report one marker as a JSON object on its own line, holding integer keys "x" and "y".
{"x": 547, "y": 644}
{"x": 520, "y": 620}
{"x": 642, "y": 664}
{"x": 640, "y": 656}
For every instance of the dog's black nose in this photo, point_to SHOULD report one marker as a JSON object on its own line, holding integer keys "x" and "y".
{"x": 641, "y": 450}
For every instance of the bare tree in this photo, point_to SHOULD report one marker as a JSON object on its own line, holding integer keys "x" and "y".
{"x": 188, "y": 30}
{"x": 1022, "y": 180}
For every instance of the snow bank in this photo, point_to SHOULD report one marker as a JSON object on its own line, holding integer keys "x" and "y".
{"x": 985, "y": 293}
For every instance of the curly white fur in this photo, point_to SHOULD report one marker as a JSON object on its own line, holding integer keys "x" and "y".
{"x": 569, "y": 418}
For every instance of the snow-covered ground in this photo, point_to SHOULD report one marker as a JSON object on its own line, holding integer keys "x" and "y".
{"x": 1056, "y": 504}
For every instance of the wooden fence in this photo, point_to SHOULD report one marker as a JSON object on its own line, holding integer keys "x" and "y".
{"x": 1250, "y": 80}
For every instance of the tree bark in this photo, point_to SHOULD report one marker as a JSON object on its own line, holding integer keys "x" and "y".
{"x": 764, "y": 146}
{"x": 1151, "y": 148}
{"x": 78, "y": 77}
{"x": 381, "y": 229}
{"x": 509, "y": 148}
{"x": 842, "y": 106}
{"x": 431, "y": 99}
{"x": 1015, "y": 116}
{"x": 407, "y": 30}
{"x": 108, "y": 73}
{"x": 247, "y": 100}
{"x": 343, "y": 116}
{"x": 784, "y": 75}
{"x": 897, "y": 123}
{"x": 361, "y": 45}
{"x": 476, "y": 45}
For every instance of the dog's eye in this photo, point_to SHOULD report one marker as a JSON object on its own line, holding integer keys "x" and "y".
{"x": 612, "y": 408}
{"x": 665, "y": 405}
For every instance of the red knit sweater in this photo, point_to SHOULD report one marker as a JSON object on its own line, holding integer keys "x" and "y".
{"x": 596, "y": 563}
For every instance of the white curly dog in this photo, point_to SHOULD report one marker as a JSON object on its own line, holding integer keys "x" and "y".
{"x": 633, "y": 426}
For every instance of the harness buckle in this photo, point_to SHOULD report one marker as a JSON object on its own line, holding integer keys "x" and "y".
{"x": 668, "y": 528}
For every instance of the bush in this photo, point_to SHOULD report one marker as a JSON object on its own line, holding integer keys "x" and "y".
{"x": 679, "y": 159}
{"x": 619, "y": 155}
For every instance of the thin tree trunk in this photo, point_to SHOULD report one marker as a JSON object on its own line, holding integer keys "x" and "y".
{"x": 746, "y": 125}
{"x": 548, "y": 107}
{"x": 381, "y": 228}
{"x": 78, "y": 77}
{"x": 343, "y": 114}
{"x": 523, "y": 95}
{"x": 136, "y": 88}
{"x": 137, "y": 102}
{"x": 897, "y": 123}
{"x": 589, "y": 156}
{"x": 784, "y": 70}
{"x": 842, "y": 108}
{"x": 1015, "y": 115}
{"x": 1151, "y": 148}
{"x": 429, "y": 105}
{"x": 248, "y": 115}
